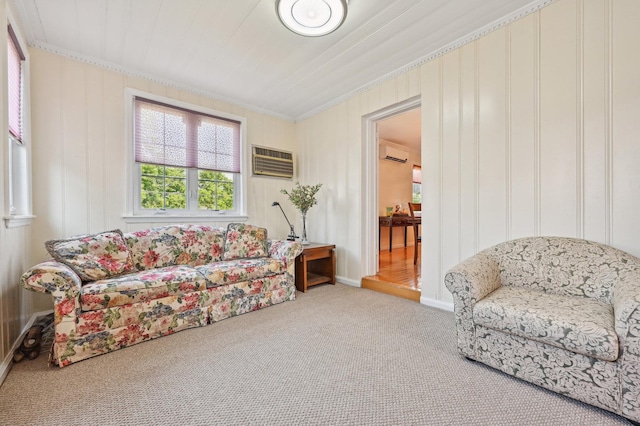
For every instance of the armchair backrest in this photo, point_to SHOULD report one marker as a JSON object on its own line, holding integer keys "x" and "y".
{"x": 564, "y": 266}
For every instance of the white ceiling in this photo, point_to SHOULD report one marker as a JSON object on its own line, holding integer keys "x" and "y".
{"x": 238, "y": 51}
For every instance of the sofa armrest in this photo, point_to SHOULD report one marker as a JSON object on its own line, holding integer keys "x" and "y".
{"x": 626, "y": 308}
{"x": 286, "y": 251}
{"x": 64, "y": 286}
{"x": 469, "y": 282}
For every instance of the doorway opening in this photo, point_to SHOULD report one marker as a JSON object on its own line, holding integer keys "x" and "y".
{"x": 392, "y": 180}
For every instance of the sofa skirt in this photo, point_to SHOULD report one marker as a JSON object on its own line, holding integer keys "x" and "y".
{"x": 115, "y": 328}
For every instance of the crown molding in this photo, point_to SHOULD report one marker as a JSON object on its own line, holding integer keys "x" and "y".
{"x": 475, "y": 35}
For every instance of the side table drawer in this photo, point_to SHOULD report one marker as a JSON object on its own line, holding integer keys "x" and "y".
{"x": 320, "y": 253}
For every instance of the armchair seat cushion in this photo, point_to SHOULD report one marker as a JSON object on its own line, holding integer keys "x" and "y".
{"x": 233, "y": 271}
{"x": 577, "y": 324}
{"x": 141, "y": 287}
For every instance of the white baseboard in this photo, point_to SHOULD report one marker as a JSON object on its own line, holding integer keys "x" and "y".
{"x": 348, "y": 281}
{"x": 7, "y": 362}
{"x": 436, "y": 304}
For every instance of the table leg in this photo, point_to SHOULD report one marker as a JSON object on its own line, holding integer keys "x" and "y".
{"x": 390, "y": 237}
{"x": 405, "y": 235}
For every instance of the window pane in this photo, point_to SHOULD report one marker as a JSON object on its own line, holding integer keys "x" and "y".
{"x": 163, "y": 187}
{"x": 417, "y": 196}
{"x": 215, "y": 190}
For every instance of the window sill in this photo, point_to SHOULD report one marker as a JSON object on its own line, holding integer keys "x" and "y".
{"x": 18, "y": 221}
{"x": 183, "y": 218}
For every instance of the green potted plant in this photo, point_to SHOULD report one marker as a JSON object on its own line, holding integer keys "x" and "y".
{"x": 303, "y": 197}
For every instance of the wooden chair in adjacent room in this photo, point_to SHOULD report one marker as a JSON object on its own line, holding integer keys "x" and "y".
{"x": 416, "y": 219}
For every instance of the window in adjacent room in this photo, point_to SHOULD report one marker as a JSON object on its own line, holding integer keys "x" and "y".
{"x": 417, "y": 184}
{"x": 18, "y": 209}
{"x": 187, "y": 160}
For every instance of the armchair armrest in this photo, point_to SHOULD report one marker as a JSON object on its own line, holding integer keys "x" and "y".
{"x": 469, "y": 282}
{"x": 64, "y": 286}
{"x": 626, "y": 308}
{"x": 286, "y": 251}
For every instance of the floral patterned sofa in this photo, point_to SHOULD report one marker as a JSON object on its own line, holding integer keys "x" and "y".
{"x": 561, "y": 313}
{"x": 111, "y": 290}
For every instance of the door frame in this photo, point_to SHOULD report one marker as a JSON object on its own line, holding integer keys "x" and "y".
{"x": 369, "y": 215}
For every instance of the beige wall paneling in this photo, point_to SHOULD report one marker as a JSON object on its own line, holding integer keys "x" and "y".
{"x": 625, "y": 104}
{"x": 47, "y": 137}
{"x": 468, "y": 162}
{"x": 95, "y": 141}
{"x": 74, "y": 149}
{"x": 492, "y": 139}
{"x": 558, "y": 119}
{"x": 431, "y": 256}
{"x": 349, "y": 249}
{"x": 450, "y": 155}
{"x": 523, "y": 66}
{"x": 115, "y": 167}
{"x": 339, "y": 207}
{"x": 596, "y": 121}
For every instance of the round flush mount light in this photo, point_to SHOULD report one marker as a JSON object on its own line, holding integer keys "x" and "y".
{"x": 312, "y": 18}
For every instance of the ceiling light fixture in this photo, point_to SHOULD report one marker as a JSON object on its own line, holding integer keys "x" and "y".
{"x": 312, "y": 18}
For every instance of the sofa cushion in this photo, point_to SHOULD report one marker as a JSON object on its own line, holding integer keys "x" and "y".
{"x": 233, "y": 271}
{"x": 93, "y": 257}
{"x": 175, "y": 245}
{"x": 245, "y": 242}
{"x": 141, "y": 287}
{"x": 577, "y": 324}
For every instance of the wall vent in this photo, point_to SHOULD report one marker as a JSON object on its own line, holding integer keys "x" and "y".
{"x": 393, "y": 154}
{"x": 272, "y": 162}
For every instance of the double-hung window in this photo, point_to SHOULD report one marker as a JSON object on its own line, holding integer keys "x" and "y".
{"x": 187, "y": 160}
{"x": 18, "y": 208}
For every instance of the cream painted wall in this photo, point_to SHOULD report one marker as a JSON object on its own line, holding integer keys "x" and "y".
{"x": 530, "y": 130}
{"x": 80, "y": 149}
{"x": 395, "y": 187}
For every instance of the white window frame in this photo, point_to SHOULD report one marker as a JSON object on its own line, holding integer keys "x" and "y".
{"x": 192, "y": 214}
{"x": 18, "y": 203}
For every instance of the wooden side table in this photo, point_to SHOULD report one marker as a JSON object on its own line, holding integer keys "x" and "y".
{"x": 315, "y": 265}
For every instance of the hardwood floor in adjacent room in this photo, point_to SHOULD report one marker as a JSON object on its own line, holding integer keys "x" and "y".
{"x": 397, "y": 275}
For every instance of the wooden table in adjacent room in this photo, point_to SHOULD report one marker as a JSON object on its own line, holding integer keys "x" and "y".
{"x": 390, "y": 222}
{"x": 315, "y": 265}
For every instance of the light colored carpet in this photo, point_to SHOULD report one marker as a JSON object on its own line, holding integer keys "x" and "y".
{"x": 337, "y": 355}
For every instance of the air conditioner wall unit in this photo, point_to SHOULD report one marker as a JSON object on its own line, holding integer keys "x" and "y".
{"x": 272, "y": 162}
{"x": 393, "y": 154}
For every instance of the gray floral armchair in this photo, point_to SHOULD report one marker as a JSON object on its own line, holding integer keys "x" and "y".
{"x": 561, "y": 313}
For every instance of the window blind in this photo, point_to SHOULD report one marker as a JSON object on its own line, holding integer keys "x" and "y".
{"x": 15, "y": 58}
{"x": 178, "y": 137}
